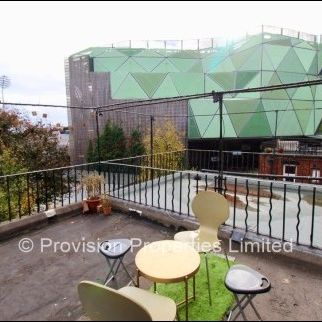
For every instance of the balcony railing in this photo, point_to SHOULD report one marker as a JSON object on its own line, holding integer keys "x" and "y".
{"x": 278, "y": 209}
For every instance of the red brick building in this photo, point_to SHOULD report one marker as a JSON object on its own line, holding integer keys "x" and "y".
{"x": 292, "y": 166}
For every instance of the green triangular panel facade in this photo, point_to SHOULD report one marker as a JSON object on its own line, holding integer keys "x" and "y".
{"x": 108, "y": 64}
{"x": 288, "y": 124}
{"x": 149, "y": 64}
{"x": 211, "y": 85}
{"x": 276, "y": 54}
{"x": 291, "y": 63}
{"x": 303, "y": 93}
{"x": 108, "y": 53}
{"x": 306, "y": 57}
{"x": 253, "y": 63}
{"x": 225, "y": 80}
{"x": 117, "y": 79}
{"x": 130, "y": 89}
{"x": 196, "y": 68}
{"x": 131, "y": 66}
{"x": 166, "y": 88}
{"x": 224, "y": 66}
{"x": 166, "y": 67}
{"x": 244, "y": 78}
{"x": 304, "y": 111}
{"x": 267, "y": 64}
{"x": 130, "y": 51}
{"x": 257, "y": 125}
{"x": 186, "y": 54}
{"x": 188, "y": 83}
{"x": 240, "y": 58}
{"x": 184, "y": 65}
{"x": 193, "y": 127}
{"x": 241, "y": 112}
{"x": 149, "y": 53}
{"x": 149, "y": 83}
{"x": 258, "y": 60}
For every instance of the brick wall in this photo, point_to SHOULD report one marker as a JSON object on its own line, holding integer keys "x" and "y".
{"x": 270, "y": 164}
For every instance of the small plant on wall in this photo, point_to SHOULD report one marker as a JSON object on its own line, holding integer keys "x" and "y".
{"x": 106, "y": 205}
{"x": 92, "y": 183}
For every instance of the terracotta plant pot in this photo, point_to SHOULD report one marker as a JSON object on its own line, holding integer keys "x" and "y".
{"x": 107, "y": 211}
{"x": 92, "y": 205}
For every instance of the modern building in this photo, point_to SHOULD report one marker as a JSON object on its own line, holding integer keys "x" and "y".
{"x": 121, "y": 72}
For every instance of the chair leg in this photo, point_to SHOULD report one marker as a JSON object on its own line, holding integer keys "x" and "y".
{"x": 254, "y": 308}
{"x": 208, "y": 279}
{"x": 177, "y": 315}
{"x": 226, "y": 256}
{"x": 127, "y": 272}
{"x": 111, "y": 272}
{"x": 241, "y": 308}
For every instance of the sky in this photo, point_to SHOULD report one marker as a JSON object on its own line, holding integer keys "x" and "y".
{"x": 36, "y": 37}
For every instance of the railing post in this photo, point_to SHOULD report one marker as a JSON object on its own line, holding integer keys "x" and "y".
{"x": 151, "y": 144}
{"x": 218, "y": 97}
{"x": 274, "y": 151}
{"x": 97, "y": 113}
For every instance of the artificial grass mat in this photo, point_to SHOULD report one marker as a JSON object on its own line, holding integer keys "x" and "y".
{"x": 200, "y": 310}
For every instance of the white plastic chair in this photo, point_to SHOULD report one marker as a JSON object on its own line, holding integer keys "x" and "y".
{"x": 212, "y": 210}
{"x": 102, "y": 303}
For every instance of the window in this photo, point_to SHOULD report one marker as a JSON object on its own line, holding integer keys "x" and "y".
{"x": 290, "y": 172}
{"x": 316, "y": 174}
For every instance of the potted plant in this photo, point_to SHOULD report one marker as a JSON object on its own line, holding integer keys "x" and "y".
{"x": 106, "y": 205}
{"x": 92, "y": 183}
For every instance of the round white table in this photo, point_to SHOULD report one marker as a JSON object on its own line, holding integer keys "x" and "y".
{"x": 168, "y": 261}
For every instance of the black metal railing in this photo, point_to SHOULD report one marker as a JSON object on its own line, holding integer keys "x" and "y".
{"x": 280, "y": 209}
{"x": 283, "y": 210}
{"x": 235, "y": 163}
{"x": 32, "y": 192}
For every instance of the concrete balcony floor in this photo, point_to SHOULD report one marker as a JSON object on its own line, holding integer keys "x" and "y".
{"x": 42, "y": 286}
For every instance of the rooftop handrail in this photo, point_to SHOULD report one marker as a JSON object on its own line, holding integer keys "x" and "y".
{"x": 212, "y": 42}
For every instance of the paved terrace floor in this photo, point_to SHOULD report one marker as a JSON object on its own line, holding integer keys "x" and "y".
{"x": 42, "y": 286}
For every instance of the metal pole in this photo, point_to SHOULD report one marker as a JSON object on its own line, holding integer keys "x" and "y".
{"x": 275, "y": 136}
{"x": 151, "y": 148}
{"x": 98, "y": 139}
{"x": 221, "y": 144}
{"x": 276, "y": 123}
{"x": 218, "y": 97}
{"x": 151, "y": 139}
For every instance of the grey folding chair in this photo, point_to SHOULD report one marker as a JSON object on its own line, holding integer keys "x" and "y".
{"x": 114, "y": 251}
{"x": 245, "y": 283}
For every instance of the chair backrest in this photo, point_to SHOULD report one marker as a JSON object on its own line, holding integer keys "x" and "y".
{"x": 102, "y": 303}
{"x": 212, "y": 210}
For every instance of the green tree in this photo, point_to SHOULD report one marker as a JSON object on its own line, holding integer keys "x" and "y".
{"x": 136, "y": 145}
{"x": 90, "y": 154}
{"x": 27, "y": 147}
{"x": 14, "y": 197}
{"x": 166, "y": 139}
{"x": 112, "y": 144}
{"x": 35, "y": 146}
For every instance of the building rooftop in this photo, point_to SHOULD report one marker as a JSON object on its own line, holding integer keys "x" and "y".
{"x": 42, "y": 286}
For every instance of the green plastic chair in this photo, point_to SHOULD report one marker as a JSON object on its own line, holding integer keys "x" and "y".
{"x": 102, "y": 303}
